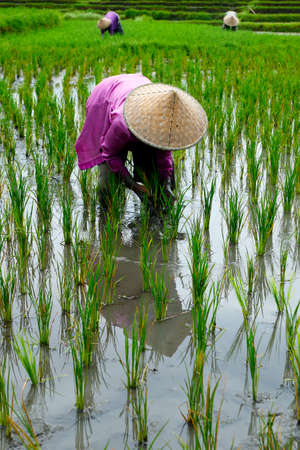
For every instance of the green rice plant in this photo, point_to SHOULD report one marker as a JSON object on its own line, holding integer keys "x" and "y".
{"x": 252, "y": 359}
{"x": 132, "y": 365}
{"x": 204, "y": 318}
{"x": 79, "y": 373}
{"x": 8, "y": 140}
{"x": 199, "y": 266}
{"x": 174, "y": 211}
{"x": 24, "y": 429}
{"x": 160, "y": 289}
{"x": 166, "y": 241}
{"x": 295, "y": 361}
{"x": 273, "y": 161}
{"x": 140, "y": 407}
{"x": 146, "y": 259}
{"x": 142, "y": 326}
{"x": 18, "y": 189}
{"x": 42, "y": 242}
{"x": 268, "y": 438}
{"x": 207, "y": 195}
{"x": 263, "y": 214}
{"x": 68, "y": 162}
{"x": 194, "y": 388}
{"x": 253, "y": 169}
{"x": 5, "y": 397}
{"x": 292, "y": 325}
{"x": 297, "y": 227}
{"x": 250, "y": 274}
{"x": 283, "y": 264}
{"x": 289, "y": 188}
{"x": 234, "y": 216}
{"x": 241, "y": 294}
{"x": 66, "y": 289}
{"x": 7, "y": 293}
{"x": 43, "y": 194}
{"x": 109, "y": 251}
{"x": 24, "y": 239}
{"x": 209, "y": 430}
{"x": 85, "y": 185}
{"x": 66, "y": 206}
{"x": 93, "y": 205}
{"x": 27, "y": 357}
{"x": 43, "y": 309}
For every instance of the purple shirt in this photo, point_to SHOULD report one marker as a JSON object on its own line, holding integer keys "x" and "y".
{"x": 114, "y": 17}
{"x": 105, "y": 136}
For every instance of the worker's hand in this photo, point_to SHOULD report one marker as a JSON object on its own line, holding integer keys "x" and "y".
{"x": 141, "y": 192}
{"x": 167, "y": 195}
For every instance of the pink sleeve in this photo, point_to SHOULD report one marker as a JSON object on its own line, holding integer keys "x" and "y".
{"x": 164, "y": 161}
{"x": 113, "y": 147}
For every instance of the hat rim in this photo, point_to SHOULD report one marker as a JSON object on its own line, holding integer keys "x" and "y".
{"x": 160, "y": 147}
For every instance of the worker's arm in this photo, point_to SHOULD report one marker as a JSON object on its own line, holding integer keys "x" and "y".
{"x": 114, "y": 154}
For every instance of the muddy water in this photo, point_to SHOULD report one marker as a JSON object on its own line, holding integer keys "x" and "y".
{"x": 109, "y": 417}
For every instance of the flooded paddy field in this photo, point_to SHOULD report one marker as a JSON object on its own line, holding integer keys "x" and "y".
{"x": 79, "y": 288}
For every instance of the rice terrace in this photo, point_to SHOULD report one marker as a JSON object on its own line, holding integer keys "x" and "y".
{"x": 134, "y": 327}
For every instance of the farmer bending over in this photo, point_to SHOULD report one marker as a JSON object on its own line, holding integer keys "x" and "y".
{"x": 230, "y": 21}
{"x": 111, "y": 23}
{"x": 128, "y": 112}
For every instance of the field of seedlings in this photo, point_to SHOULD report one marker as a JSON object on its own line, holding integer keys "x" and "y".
{"x": 123, "y": 330}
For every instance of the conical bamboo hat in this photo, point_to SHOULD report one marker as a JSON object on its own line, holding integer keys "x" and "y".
{"x": 231, "y": 20}
{"x": 164, "y": 116}
{"x": 104, "y": 23}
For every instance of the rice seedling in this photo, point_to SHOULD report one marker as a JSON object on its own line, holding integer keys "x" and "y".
{"x": 66, "y": 288}
{"x": 146, "y": 259}
{"x": 252, "y": 359}
{"x": 199, "y": 266}
{"x": 250, "y": 274}
{"x": 18, "y": 190}
{"x": 24, "y": 351}
{"x": 292, "y": 325}
{"x": 142, "y": 327}
{"x": 43, "y": 193}
{"x": 234, "y": 216}
{"x": 85, "y": 185}
{"x": 253, "y": 169}
{"x": 207, "y": 195}
{"x": 24, "y": 429}
{"x": 160, "y": 290}
{"x": 8, "y": 284}
{"x": 43, "y": 308}
{"x": 132, "y": 365}
{"x": 140, "y": 407}
{"x": 109, "y": 251}
{"x": 68, "y": 162}
{"x": 42, "y": 241}
{"x": 263, "y": 213}
{"x": 194, "y": 389}
{"x": 210, "y": 430}
{"x": 268, "y": 438}
{"x": 66, "y": 206}
{"x": 5, "y": 397}
{"x": 174, "y": 212}
{"x": 79, "y": 373}
{"x": 289, "y": 188}
{"x": 204, "y": 318}
{"x": 294, "y": 355}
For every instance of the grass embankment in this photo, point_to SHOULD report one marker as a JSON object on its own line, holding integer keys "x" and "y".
{"x": 24, "y": 19}
{"x": 256, "y": 15}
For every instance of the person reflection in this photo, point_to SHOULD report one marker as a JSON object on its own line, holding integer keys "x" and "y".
{"x": 163, "y": 337}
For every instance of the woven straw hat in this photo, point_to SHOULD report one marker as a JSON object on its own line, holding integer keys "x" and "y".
{"x": 104, "y": 23}
{"x": 231, "y": 19}
{"x": 164, "y": 116}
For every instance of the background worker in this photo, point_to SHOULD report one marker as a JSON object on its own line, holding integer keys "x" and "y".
{"x": 111, "y": 23}
{"x": 129, "y": 112}
{"x": 230, "y": 21}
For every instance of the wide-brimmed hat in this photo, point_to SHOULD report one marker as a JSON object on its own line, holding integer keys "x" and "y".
{"x": 231, "y": 19}
{"x": 104, "y": 23}
{"x": 164, "y": 117}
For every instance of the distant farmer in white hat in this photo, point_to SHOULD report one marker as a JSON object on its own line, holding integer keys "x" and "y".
{"x": 111, "y": 23}
{"x": 130, "y": 113}
{"x": 230, "y": 21}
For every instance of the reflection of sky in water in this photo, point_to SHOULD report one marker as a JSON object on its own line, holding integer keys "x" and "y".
{"x": 168, "y": 351}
